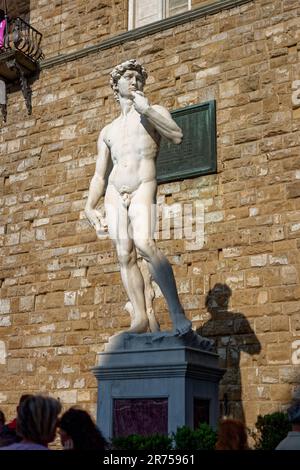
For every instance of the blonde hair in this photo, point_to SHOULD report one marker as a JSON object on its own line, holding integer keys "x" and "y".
{"x": 37, "y": 418}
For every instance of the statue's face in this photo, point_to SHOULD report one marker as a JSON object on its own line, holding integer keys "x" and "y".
{"x": 130, "y": 81}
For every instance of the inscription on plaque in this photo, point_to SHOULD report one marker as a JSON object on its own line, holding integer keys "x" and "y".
{"x": 140, "y": 416}
{"x": 196, "y": 155}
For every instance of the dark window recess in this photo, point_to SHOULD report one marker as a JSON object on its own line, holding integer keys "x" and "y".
{"x": 20, "y": 52}
{"x": 201, "y": 411}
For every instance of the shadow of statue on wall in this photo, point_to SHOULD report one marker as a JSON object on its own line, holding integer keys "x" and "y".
{"x": 232, "y": 334}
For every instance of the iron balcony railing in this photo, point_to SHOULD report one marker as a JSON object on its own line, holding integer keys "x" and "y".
{"x": 20, "y": 36}
{"x": 20, "y": 52}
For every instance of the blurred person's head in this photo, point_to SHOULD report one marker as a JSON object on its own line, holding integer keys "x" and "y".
{"x": 294, "y": 415}
{"x": 79, "y": 432}
{"x": 37, "y": 419}
{"x": 232, "y": 435}
{"x": 2, "y": 418}
{"x": 23, "y": 398}
{"x": 2, "y": 14}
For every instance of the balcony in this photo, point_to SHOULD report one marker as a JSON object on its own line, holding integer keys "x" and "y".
{"x": 19, "y": 58}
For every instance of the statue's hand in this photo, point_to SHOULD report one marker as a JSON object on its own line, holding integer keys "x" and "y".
{"x": 140, "y": 102}
{"x": 97, "y": 221}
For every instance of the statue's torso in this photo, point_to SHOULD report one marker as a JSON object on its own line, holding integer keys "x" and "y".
{"x": 133, "y": 145}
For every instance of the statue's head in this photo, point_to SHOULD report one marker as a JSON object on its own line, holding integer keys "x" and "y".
{"x": 120, "y": 69}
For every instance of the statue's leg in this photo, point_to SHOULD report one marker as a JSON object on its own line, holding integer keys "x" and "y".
{"x": 142, "y": 215}
{"x": 149, "y": 295}
{"x": 118, "y": 227}
{"x": 162, "y": 274}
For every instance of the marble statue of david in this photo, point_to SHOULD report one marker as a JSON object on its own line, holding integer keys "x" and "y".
{"x": 131, "y": 143}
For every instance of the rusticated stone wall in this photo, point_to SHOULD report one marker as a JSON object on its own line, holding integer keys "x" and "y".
{"x": 61, "y": 295}
{"x": 69, "y": 26}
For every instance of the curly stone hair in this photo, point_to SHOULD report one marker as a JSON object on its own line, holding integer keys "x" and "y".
{"x": 119, "y": 70}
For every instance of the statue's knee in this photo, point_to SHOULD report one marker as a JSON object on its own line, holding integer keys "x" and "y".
{"x": 124, "y": 259}
{"x": 145, "y": 248}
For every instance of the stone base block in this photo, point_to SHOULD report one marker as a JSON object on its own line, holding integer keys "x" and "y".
{"x": 151, "y": 383}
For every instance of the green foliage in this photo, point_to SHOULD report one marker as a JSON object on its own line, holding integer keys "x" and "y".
{"x": 157, "y": 442}
{"x": 207, "y": 437}
{"x": 202, "y": 438}
{"x": 185, "y": 438}
{"x": 272, "y": 428}
{"x": 137, "y": 442}
{"x": 132, "y": 442}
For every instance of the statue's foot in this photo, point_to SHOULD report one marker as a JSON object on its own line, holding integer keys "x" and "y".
{"x": 139, "y": 326}
{"x": 194, "y": 340}
{"x": 204, "y": 343}
{"x": 182, "y": 325}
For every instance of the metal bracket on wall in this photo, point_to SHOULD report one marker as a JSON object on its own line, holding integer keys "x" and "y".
{"x": 3, "y": 99}
{"x": 26, "y": 90}
{"x": 4, "y": 111}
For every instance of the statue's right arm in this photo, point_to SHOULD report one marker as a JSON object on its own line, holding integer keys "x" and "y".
{"x": 98, "y": 183}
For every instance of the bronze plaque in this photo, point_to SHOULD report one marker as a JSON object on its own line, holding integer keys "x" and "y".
{"x": 196, "y": 155}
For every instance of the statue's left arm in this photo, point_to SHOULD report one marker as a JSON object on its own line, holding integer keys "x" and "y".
{"x": 159, "y": 117}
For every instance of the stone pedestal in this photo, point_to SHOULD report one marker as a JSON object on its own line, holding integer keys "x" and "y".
{"x": 155, "y": 383}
